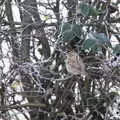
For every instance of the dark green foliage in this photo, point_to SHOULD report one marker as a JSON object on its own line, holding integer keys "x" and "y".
{"x": 90, "y": 44}
{"x": 77, "y": 30}
{"x": 69, "y": 31}
{"x": 96, "y": 41}
{"x": 68, "y": 35}
{"x": 87, "y": 10}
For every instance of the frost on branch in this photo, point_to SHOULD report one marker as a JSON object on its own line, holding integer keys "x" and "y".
{"x": 30, "y": 76}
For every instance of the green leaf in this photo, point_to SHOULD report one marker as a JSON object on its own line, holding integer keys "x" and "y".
{"x": 96, "y": 41}
{"x": 69, "y": 31}
{"x": 89, "y": 44}
{"x": 77, "y": 30}
{"x": 100, "y": 39}
{"x": 84, "y": 9}
{"x": 46, "y": 17}
{"x": 64, "y": 27}
{"x": 116, "y": 50}
{"x": 92, "y": 11}
{"x": 16, "y": 84}
{"x": 87, "y": 10}
{"x": 68, "y": 35}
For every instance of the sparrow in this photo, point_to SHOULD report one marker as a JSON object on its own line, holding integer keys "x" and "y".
{"x": 74, "y": 63}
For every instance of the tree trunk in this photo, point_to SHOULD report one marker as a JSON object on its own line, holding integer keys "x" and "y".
{"x": 13, "y": 41}
{"x": 26, "y": 17}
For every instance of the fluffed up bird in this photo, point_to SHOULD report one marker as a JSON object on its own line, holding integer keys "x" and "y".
{"x": 74, "y": 63}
